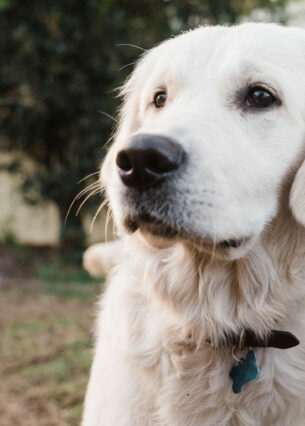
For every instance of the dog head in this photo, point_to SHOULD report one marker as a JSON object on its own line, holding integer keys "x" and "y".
{"x": 212, "y": 123}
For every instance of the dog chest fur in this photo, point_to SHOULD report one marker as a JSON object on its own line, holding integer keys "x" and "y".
{"x": 154, "y": 344}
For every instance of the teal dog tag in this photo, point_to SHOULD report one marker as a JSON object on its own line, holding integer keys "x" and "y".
{"x": 245, "y": 371}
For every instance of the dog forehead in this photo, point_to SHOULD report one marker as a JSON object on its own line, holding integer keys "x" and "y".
{"x": 219, "y": 49}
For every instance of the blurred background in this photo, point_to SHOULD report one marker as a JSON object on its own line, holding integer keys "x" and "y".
{"x": 61, "y": 63}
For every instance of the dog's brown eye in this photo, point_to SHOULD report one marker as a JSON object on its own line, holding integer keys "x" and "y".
{"x": 259, "y": 97}
{"x": 160, "y": 99}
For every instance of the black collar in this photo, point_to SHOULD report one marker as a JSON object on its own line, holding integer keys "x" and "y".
{"x": 274, "y": 339}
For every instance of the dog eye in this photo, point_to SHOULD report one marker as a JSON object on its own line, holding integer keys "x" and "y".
{"x": 259, "y": 97}
{"x": 160, "y": 99}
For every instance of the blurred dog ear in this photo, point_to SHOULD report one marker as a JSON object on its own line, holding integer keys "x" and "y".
{"x": 297, "y": 195}
{"x": 101, "y": 258}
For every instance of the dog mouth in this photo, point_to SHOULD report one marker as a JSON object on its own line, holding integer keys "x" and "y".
{"x": 148, "y": 224}
{"x": 152, "y": 225}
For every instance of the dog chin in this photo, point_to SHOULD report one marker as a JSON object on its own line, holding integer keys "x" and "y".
{"x": 163, "y": 236}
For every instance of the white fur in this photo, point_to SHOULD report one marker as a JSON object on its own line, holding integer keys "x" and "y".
{"x": 168, "y": 298}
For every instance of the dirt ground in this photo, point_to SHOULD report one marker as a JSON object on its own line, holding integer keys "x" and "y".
{"x": 45, "y": 347}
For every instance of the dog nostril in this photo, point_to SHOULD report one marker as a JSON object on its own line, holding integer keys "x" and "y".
{"x": 123, "y": 161}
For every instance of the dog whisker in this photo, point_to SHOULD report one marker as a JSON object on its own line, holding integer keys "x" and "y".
{"x": 93, "y": 192}
{"x": 97, "y": 213}
{"x": 108, "y": 218}
{"x": 107, "y": 115}
{"x": 88, "y": 176}
{"x": 128, "y": 65}
{"x": 109, "y": 140}
{"x": 131, "y": 45}
{"x": 94, "y": 185}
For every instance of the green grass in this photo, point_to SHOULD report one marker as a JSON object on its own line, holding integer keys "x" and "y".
{"x": 67, "y": 280}
{"x": 56, "y": 271}
{"x": 46, "y": 353}
{"x": 72, "y": 290}
{"x": 46, "y": 319}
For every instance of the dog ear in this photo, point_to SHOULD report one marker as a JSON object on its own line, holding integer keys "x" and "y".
{"x": 297, "y": 195}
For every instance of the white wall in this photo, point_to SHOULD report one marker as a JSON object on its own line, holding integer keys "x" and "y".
{"x": 39, "y": 225}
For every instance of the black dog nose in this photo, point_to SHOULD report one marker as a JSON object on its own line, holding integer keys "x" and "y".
{"x": 148, "y": 160}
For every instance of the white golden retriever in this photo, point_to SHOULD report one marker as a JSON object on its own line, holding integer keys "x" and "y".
{"x": 206, "y": 182}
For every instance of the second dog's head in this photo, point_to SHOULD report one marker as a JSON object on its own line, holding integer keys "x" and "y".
{"x": 212, "y": 124}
